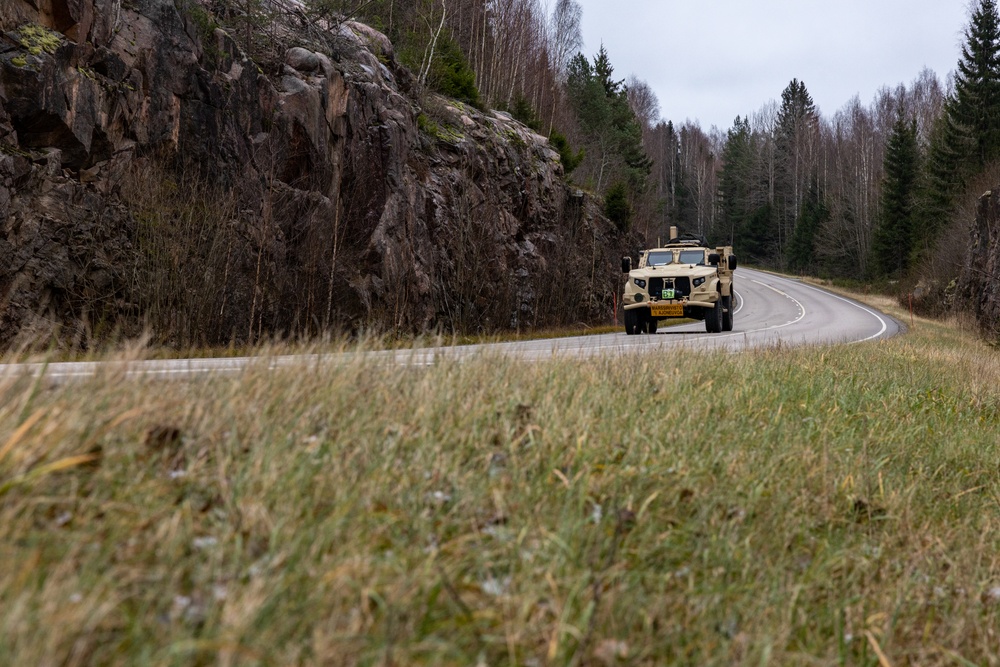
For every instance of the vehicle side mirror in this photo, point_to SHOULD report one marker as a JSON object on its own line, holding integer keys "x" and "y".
{"x": 626, "y": 264}
{"x": 713, "y": 258}
{"x": 732, "y": 262}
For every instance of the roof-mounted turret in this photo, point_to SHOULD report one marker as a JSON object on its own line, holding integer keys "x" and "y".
{"x": 677, "y": 239}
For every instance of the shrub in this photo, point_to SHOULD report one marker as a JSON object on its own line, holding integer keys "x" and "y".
{"x": 617, "y": 207}
{"x": 451, "y": 75}
{"x": 523, "y": 112}
{"x": 569, "y": 159}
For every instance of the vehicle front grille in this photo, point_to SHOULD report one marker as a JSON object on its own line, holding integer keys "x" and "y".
{"x": 682, "y": 287}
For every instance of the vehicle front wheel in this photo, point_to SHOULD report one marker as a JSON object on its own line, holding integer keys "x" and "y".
{"x": 713, "y": 318}
{"x": 727, "y": 313}
{"x": 631, "y": 322}
{"x": 651, "y": 324}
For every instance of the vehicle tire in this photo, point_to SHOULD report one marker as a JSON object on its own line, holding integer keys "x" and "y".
{"x": 727, "y": 313}
{"x": 713, "y": 318}
{"x": 631, "y": 322}
{"x": 651, "y": 324}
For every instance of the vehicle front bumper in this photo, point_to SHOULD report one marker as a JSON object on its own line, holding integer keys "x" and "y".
{"x": 686, "y": 304}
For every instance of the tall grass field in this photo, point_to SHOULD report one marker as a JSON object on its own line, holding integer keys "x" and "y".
{"x": 818, "y": 506}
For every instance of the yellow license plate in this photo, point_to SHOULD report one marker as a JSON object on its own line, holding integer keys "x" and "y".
{"x": 666, "y": 309}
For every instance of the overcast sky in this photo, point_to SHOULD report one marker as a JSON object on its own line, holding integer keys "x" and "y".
{"x": 712, "y": 60}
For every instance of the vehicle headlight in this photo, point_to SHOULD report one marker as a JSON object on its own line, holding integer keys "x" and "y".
{"x": 640, "y": 283}
{"x": 698, "y": 282}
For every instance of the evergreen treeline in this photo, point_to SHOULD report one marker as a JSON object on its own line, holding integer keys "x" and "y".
{"x": 875, "y": 192}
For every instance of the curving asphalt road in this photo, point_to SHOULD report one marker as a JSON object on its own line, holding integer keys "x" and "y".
{"x": 770, "y": 310}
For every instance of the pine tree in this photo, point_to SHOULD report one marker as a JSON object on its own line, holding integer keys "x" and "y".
{"x": 893, "y": 240}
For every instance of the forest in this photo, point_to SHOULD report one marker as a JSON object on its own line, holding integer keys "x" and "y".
{"x": 878, "y": 191}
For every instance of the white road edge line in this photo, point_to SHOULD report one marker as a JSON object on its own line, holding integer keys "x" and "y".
{"x": 885, "y": 325}
{"x": 740, "y": 306}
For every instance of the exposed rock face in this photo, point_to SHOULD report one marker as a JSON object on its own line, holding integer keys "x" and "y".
{"x": 979, "y": 284}
{"x": 153, "y": 175}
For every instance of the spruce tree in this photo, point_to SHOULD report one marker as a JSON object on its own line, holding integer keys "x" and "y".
{"x": 451, "y": 75}
{"x": 603, "y": 71}
{"x": 617, "y": 207}
{"x": 627, "y": 131}
{"x": 802, "y": 247}
{"x": 974, "y": 110}
{"x": 798, "y": 121}
{"x": 892, "y": 243}
{"x": 734, "y": 180}
{"x": 612, "y": 134}
{"x": 758, "y": 243}
{"x": 967, "y": 136}
{"x": 942, "y": 182}
{"x": 747, "y": 217}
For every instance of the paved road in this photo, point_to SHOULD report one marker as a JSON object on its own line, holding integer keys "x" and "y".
{"x": 770, "y": 310}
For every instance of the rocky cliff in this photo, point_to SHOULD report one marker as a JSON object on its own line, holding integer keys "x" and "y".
{"x": 152, "y": 175}
{"x": 979, "y": 285}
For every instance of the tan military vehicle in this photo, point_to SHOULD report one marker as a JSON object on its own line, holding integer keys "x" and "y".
{"x": 683, "y": 279}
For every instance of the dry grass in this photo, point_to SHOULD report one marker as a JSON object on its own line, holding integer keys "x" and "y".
{"x": 821, "y": 506}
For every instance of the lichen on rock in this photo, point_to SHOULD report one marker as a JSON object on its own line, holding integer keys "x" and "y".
{"x": 37, "y": 39}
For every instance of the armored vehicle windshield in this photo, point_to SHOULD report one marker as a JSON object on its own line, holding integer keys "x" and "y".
{"x": 660, "y": 258}
{"x": 692, "y": 256}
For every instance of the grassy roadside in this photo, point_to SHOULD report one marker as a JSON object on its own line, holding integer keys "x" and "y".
{"x": 142, "y": 349}
{"x": 834, "y": 505}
